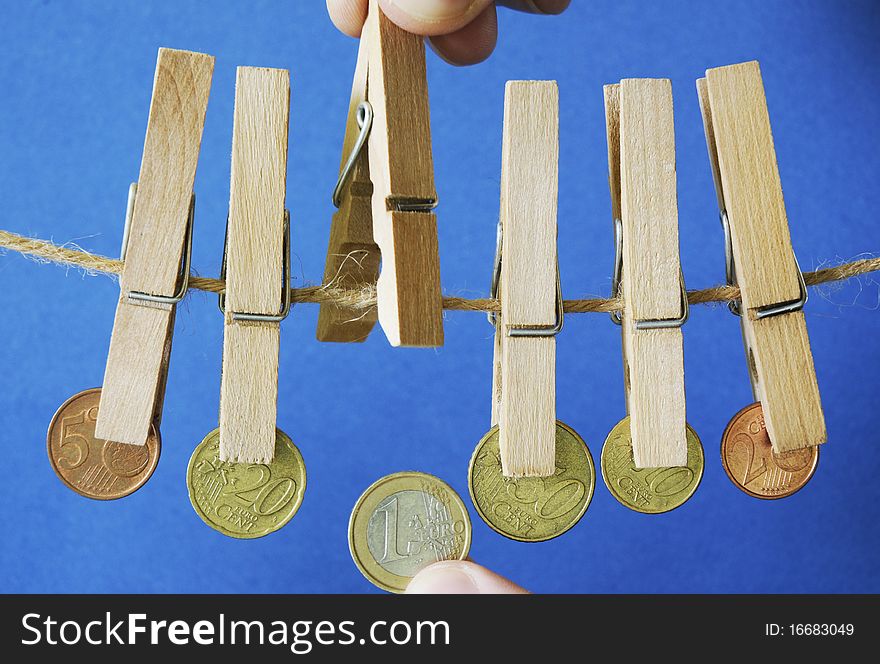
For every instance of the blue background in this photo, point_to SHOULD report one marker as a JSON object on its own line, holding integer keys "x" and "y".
{"x": 75, "y": 83}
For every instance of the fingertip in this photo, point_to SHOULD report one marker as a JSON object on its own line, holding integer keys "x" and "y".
{"x": 537, "y": 6}
{"x": 433, "y": 17}
{"x": 348, "y": 15}
{"x": 461, "y": 577}
{"x": 471, "y": 44}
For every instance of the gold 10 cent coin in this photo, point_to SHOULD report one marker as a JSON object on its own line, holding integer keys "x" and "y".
{"x": 649, "y": 490}
{"x": 404, "y": 522}
{"x": 246, "y": 500}
{"x": 752, "y": 465}
{"x": 96, "y": 468}
{"x": 533, "y": 509}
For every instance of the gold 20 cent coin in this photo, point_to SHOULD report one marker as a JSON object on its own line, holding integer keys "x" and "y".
{"x": 649, "y": 490}
{"x": 246, "y": 500}
{"x": 532, "y": 509}
{"x": 752, "y": 465}
{"x": 96, "y": 468}
{"x": 403, "y": 523}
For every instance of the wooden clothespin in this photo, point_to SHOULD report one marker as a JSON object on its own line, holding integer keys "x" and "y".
{"x": 527, "y": 281}
{"x": 390, "y": 98}
{"x": 531, "y": 477}
{"x": 641, "y": 161}
{"x": 760, "y": 257}
{"x": 156, "y": 249}
{"x": 352, "y": 255}
{"x": 256, "y": 266}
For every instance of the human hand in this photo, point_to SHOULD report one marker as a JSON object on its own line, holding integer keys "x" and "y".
{"x": 462, "y": 32}
{"x": 460, "y": 577}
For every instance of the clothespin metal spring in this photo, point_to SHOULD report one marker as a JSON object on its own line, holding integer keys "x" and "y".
{"x": 643, "y": 324}
{"x": 365, "y": 122}
{"x": 730, "y": 272}
{"x": 286, "y": 300}
{"x": 185, "y": 263}
{"x": 524, "y": 331}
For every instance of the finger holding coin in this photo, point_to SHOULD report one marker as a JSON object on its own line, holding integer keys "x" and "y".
{"x": 404, "y": 522}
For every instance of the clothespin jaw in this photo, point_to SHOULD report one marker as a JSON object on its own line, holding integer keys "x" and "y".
{"x": 527, "y": 281}
{"x": 256, "y": 266}
{"x": 352, "y": 256}
{"x": 641, "y": 159}
{"x": 400, "y": 167}
{"x": 158, "y": 241}
{"x": 761, "y": 259}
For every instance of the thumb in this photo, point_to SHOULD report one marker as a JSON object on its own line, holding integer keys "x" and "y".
{"x": 433, "y": 17}
{"x": 460, "y": 577}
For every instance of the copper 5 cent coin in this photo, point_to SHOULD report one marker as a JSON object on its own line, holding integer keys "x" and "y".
{"x": 752, "y": 465}
{"x": 96, "y": 468}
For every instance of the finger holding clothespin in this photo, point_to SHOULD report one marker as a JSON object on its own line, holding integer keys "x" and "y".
{"x": 247, "y": 478}
{"x": 648, "y": 276}
{"x": 761, "y": 261}
{"x": 531, "y": 477}
{"x": 393, "y": 128}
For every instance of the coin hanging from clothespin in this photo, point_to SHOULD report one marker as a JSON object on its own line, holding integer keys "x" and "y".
{"x": 652, "y": 460}
{"x": 531, "y": 477}
{"x": 769, "y": 449}
{"x": 104, "y": 442}
{"x": 385, "y": 196}
{"x": 246, "y": 478}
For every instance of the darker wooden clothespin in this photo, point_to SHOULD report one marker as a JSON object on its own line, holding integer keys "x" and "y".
{"x": 386, "y": 197}
{"x": 156, "y": 249}
{"x": 760, "y": 257}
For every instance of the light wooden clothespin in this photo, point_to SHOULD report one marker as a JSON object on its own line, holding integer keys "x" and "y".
{"x": 526, "y": 281}
{"x": 389, "y": 118}
{"x": 156, "y": 249}
{"x": 256, "y": 266}
{"x": 760, "y": 257}
{"x": 647, "y": 269}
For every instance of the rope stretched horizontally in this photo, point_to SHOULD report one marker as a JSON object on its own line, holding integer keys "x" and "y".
{"x": 366, "y": 298}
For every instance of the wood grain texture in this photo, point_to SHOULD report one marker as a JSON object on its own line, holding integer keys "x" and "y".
{"x": 612, "y": 133}
{"x": 137, "y": 359}
{"x": 401, "y": 167}
{"x": 529, "y": 186}
{"x": 611, "y": 95}
{"x": 751, "y": 185}
{"x": 650, "y": 281}
{"x": 254, "y": 265}
{"x": 352, "y": 256}
{"x": 706, "y": 113}
{"x": 743, "y": 160}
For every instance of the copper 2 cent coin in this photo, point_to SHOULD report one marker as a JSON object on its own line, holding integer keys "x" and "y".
{"x": 96, "y": 468}
{"x": 752, "y": 465}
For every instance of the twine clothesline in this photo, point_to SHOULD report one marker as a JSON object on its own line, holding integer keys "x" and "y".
{"x": 366, "y": 298}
